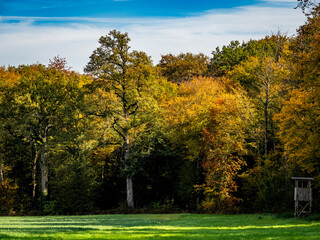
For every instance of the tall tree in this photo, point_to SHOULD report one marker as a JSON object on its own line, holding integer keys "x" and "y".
{"x": 8, "y": 80}
{"x": 225, "y": 147}
{"x": 261, "y": 78}
{"x": 186, "y": 115}
{"x": 129, "y": 79}
{"x": 299, "y": 118}
{"x": 8, "y": 188}
{"x": 43, "y": 100}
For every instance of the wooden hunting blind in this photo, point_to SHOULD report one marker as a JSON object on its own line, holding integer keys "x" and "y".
{"x": 302, "y": 195}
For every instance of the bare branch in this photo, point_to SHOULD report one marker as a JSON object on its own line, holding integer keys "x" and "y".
{"x": 115, "y": 129}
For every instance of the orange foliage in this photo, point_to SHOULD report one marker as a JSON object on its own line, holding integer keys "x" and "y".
{"x": 8, "y": 77}
{"x": 225, "y": 146}
{"x": 209, "y": 117}
{"x": 299, "y": 127}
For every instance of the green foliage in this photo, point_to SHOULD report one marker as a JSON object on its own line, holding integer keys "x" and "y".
{"x": 132, "y": 87}
{"x": 268, "y": 187}
{"x": 75, "y": 185}
{"x": 36, "y": 111}
{"x": 225, "y": 59}
{"x": 69, "y": 143}
{"x": 183, "y": 67}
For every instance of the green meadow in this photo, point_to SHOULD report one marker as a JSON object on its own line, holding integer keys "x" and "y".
{"x": 164, "y": 226}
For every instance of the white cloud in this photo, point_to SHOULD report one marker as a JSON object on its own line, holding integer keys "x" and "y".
{"x": 26, "y": 42}
{"x": 203, "y": 34}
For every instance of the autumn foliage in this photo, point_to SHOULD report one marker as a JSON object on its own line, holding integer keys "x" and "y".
{"x": 225, "y": 148}
{"x": 193, "y": 133}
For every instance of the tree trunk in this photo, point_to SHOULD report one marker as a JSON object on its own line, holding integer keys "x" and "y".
{"x": 129, "y": 183}
{"x": 272, "y": 131}
{"x": 130, "y": 192}
{"x": 266, "y": 108}
{"x": 44, "y": 174}
{"x": 266, "y": 130}
{"x": 1, "y": 174}
{"x": 34, "y": 175}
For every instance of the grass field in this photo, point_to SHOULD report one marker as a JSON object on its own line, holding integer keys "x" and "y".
{"x": 171, "y": 226}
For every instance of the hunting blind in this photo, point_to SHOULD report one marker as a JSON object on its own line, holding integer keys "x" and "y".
{"x": 302, "y": 195}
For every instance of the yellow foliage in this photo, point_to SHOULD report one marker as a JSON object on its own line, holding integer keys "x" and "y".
{"x": 8, "y": 77}
{"x": 299, "y": 126}
{"x": 209, "y": 117}
{"x": 187, "y": 114}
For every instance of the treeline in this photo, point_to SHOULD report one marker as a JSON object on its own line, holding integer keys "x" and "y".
{"x": 219, "y": 134}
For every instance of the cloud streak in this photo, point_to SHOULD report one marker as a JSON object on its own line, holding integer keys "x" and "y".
{"x": 30, "y": 40}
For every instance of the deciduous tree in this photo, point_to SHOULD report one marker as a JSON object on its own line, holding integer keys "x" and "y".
{"x": 131, "y": 85}
{"x": 225, "y": 147}
{"x": 42, "y": 101}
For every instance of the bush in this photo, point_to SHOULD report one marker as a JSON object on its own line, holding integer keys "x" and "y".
{"x": 7, "y": 198}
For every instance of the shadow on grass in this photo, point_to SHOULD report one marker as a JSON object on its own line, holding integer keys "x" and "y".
{"x": 302, "y": 232}
{"x": 169, "y": 232}
{"x": 176, "y": 227}
{"x": 46, "y": 230}
{"x": 7, "y": 237}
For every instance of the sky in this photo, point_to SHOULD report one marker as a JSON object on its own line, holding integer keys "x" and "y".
{"x": 34, "y": 31}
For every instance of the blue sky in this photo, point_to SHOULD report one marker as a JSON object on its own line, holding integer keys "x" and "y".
{"x": 37, "y": 30}
{"x": 115, "y": 8}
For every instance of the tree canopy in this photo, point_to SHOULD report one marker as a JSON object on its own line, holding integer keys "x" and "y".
{"x": 193, "y": 133}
